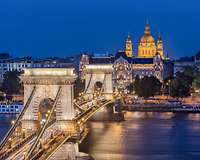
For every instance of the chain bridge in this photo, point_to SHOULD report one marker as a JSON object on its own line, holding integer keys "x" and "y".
{"x": 52, "y": 122}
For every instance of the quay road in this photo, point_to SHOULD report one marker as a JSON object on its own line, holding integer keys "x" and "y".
{"x": 157, "y": 108}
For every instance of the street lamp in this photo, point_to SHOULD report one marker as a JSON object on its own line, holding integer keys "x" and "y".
{"x": 10, "y": 145}
{"x": 13, "y": 122}
{"x": 23, "y": 133}
{"x": 169, "y": 87}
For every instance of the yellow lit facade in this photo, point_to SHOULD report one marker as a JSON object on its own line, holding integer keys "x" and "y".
{"x": 147, "y": 47}
{"x": 160, "y": 49}
{"x": 129, "y": 47}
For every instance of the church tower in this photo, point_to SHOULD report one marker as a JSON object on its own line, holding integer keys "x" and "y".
{"x": 160, "y": 49}
{"x": 147, "y": 46}
{"x": 129, "y": 47}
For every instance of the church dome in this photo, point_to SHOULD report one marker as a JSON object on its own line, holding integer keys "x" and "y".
{"x": 147, "y": 47}
{"x": 147, "y": 37}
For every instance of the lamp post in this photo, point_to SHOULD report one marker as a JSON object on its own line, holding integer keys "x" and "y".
{"x": 169, "y": 88}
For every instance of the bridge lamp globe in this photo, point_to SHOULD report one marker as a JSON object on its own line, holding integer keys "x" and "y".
{"x": 13, "y": 122}
{"x": 78, "y": 122}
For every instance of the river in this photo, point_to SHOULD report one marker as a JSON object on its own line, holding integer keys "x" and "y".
{"x": 142, "y": 136}
{"x": 145, "y": 136}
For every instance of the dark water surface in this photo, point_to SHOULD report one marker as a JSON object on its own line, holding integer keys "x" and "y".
{"x": 143, "y": 136}
{"x": 146, "y": 136}
{"x": 5, "y": 123}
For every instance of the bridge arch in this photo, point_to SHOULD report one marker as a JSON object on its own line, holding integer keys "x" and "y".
{"x": 44, "y": 109}
{"x": 49, "y": 83}
{"x": 99, "y": 73}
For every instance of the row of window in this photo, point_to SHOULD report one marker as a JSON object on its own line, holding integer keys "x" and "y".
{"x": 5, "y": 106}
{"x": 148, "y": 52}
{"x": 14, "y": 65}
{"x": 9, "y": 110}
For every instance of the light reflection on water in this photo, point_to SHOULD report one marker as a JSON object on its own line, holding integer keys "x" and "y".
{"x": 145, "y": 136}
{"x": 142, "y": 136}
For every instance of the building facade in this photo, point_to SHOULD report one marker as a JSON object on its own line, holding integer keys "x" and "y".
{"x": 151, "y": 60}
{"x": 13, "y": 64}
{"x": 19, "y": 64}
{"x": 122, "y": 73}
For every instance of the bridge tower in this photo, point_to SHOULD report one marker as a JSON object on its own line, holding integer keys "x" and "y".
{"x": 47, "y": 82}
{"x": 99, "y": 73}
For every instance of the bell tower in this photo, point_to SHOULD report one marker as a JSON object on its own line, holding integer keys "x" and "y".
{"x": 129, "y": 47}
{"x": 160, "y": 49}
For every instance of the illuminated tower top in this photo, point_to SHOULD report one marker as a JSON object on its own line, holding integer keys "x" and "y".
{"x": 147, "y": 46}
{"x": 160, "y": 49}
{"x": 129, "y": 47}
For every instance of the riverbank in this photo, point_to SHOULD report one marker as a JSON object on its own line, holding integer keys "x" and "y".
{"x": 162, "y": 108}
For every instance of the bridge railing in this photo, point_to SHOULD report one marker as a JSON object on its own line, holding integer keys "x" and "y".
{"x": 27, "y": 157}
{"x": 12, "y": 129}
{"x": 85, "y": 91}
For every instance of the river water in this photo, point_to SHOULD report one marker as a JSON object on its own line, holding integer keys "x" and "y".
{"x": 145, "y": 136}
{"x": 142, "y": 136}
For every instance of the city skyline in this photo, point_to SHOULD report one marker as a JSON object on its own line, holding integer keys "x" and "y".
{"x": 68, "y": 28}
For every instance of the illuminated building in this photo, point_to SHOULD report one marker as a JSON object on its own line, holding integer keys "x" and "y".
{"x": 83, "y": 61}
{"x": 147, "y": 47}
{"x": 149, "y": 61}
{"x": 122, "y": 70}
{"x": 129, "y": 47}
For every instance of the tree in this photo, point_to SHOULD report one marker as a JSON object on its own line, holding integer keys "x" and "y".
{"x": 2, "y": 96}
{"x": 11, "y": 83}
{"x": 130, "y": 87}
{"x": 182, "y": 83}
{"x": 79, "y": 87}
{"x": 9, "y": 97}
{"x": 148, "y": 86}
{"x": 136, "y": 84}
{"x": 196, "y": 83}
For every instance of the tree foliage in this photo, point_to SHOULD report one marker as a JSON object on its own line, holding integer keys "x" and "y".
{"x": 196, "y": 82}
{"x": 11, "y": 83}
{"x": 147, "y": 86}
{"x": 182, "y": 83}
{"x": 130, "y": 87}
{"x": 137, "y": 84}
{"x": 79, "y": 87}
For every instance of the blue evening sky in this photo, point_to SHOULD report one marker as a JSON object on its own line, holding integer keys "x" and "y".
{"x": 43, "y": 28}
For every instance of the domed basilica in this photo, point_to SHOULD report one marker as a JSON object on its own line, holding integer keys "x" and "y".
{"x": 149, "y": 61}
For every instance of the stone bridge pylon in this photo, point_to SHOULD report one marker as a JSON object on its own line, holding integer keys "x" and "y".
{"x": 99, "y": 73}
{"x": 48, "y": 84}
